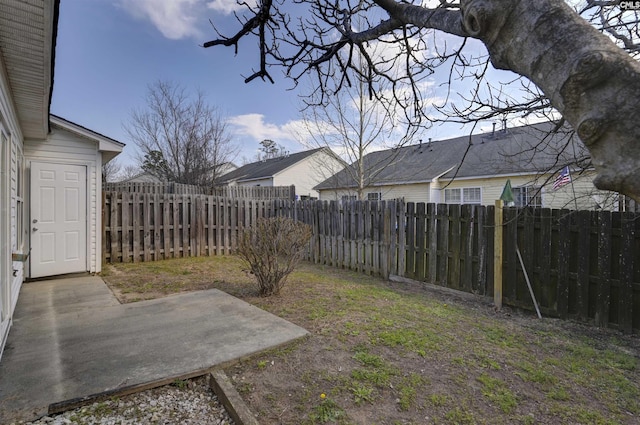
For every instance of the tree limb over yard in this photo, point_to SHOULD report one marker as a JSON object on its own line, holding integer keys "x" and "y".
{"x": 591, "y": 81}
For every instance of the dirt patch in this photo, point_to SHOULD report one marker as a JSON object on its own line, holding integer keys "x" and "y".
{"x": 132, "y": 282}
{"x": 392, "y": 353}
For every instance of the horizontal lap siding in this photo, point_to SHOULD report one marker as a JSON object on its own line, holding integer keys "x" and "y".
{"x": 417, "y": 192}
{"x": 13, "y": 134}
{"x": 308, "y": 173}
{"x": 66, "y": 148}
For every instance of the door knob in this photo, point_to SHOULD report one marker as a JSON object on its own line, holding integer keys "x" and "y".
{"x": 35, "y": 229}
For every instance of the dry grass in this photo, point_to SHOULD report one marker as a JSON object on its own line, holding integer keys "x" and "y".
{"x": 384, "y": 353}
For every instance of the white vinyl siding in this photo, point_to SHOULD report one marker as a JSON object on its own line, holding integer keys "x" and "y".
{"x": 16, "y": 214}
{"x": 10, "y": 149}
{"x": 268, "y": 182}
{"x": 579, "y": 194}
{"x": 490, "y": 188}
{"x": 308, "y": 173}
{"x": 17, "y": 199}
{"x": 416, "y": 192}
{"x": 64, "y": 147}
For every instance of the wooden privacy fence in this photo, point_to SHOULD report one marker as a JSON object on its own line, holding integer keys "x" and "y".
{"x": 450, "y": 245}
{"x": 154, "y": 187}
{"x": 149, "y": 227}
{"x": 583, "y": 265}
{"x": 242, "y": 192}
{"x": 361, "y": 236}
{"x": 255, "y": 192}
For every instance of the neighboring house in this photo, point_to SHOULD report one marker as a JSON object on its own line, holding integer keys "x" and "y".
{"x": 147, "y": 177}
{"x": 304, "y": 170}
{"x": 226, "y": 168}
{"x": 474, "y": 169}
{"x": 143, "y": 177}
{"x": 50, "y": 168}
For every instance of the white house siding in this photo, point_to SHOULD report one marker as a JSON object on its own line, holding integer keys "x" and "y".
{"x": 415, "y": 192}
{"x": 64, "y": 147}
{"x": 258, "y": 182}
{"x": 585, "y": 197}
{"x": 17, "y": 215}
{"x": 10, "y": 149}
{"x": 308, "y": 173}
{"x": 491, "y": 188}
{"x": 581, "y": 193}
{"x": 333, "y": 194}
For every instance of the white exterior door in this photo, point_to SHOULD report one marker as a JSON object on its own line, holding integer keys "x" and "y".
{"x": 58, "y": 219}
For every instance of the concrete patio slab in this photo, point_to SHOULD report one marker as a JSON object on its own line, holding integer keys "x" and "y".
{"x": 72, "y": 339}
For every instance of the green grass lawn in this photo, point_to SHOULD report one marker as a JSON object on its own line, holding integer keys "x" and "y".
{"x": 382, "y": 353}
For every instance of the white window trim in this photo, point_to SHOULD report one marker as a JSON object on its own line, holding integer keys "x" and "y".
{"x": 379, "y": 196}
{"x": 460, "y": 191}
{"x": 536, "y": 190}
{"x": 478, "y": 202}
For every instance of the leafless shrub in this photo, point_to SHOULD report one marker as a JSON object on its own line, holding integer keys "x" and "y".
{"x": 272, "y": 248}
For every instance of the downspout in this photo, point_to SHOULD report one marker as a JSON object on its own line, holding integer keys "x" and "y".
{"x": 435, "y": 192}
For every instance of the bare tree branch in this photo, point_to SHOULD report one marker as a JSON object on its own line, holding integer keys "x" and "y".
{"x": 584, "y": 67}
{"x": 183, "y": 139}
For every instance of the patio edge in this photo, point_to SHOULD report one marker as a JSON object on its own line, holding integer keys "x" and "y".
{"x": 230, "y": 398}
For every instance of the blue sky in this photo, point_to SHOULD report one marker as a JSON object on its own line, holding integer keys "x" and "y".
{"x": 109, "y": 51}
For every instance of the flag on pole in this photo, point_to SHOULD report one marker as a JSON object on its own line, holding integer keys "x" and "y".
{"x": 507, "y": 194}
{"x": 563, "y": 178}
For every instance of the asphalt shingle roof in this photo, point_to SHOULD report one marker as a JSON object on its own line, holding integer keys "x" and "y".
{"x": 267, "y": 168}
{"x": 518, "y": 150}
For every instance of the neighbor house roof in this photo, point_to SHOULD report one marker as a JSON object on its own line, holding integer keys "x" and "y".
{"x": 27, "y": 48}
{"x": 267, "y": 168}
{"x": 522, "y": 150}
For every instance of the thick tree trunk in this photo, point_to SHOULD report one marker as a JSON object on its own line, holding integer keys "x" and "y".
{"x": 592, "y": 82}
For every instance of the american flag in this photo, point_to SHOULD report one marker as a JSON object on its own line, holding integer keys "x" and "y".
{"x": 563, "y": 178}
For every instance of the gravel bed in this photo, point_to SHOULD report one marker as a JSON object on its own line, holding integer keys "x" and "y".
{"x": 183, "y": 402}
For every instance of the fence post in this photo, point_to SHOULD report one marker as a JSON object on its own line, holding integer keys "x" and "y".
{"x": 497, "y": 255}
{"x": 385, "y": 248}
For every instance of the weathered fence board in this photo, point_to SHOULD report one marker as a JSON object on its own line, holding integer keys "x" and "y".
{"x": 235, "y": 192}
{"x": 583, "y": 265}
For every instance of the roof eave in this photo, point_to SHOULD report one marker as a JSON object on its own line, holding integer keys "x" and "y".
{"x": 110, "y": 147}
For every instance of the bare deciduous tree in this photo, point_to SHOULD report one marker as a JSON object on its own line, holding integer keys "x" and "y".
{"x": 111, "y": 170}
{"x": 351, "y": 125}
{"x": 591, "y": 78}
{"x": 128, "y": 171}
{"x": 189, "y": 136}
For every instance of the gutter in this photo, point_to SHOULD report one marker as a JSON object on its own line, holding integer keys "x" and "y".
{"x": 54, "y": 41}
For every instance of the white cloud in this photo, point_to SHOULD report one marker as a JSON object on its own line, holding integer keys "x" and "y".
{"x": 175, "y": 19}
{"x": 227, "y": 7}
{"x": 253, "y": 125}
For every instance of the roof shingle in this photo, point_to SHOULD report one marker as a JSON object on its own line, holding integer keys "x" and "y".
{"x": 519, "y": 150}
{"x": 267, "y": 168}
